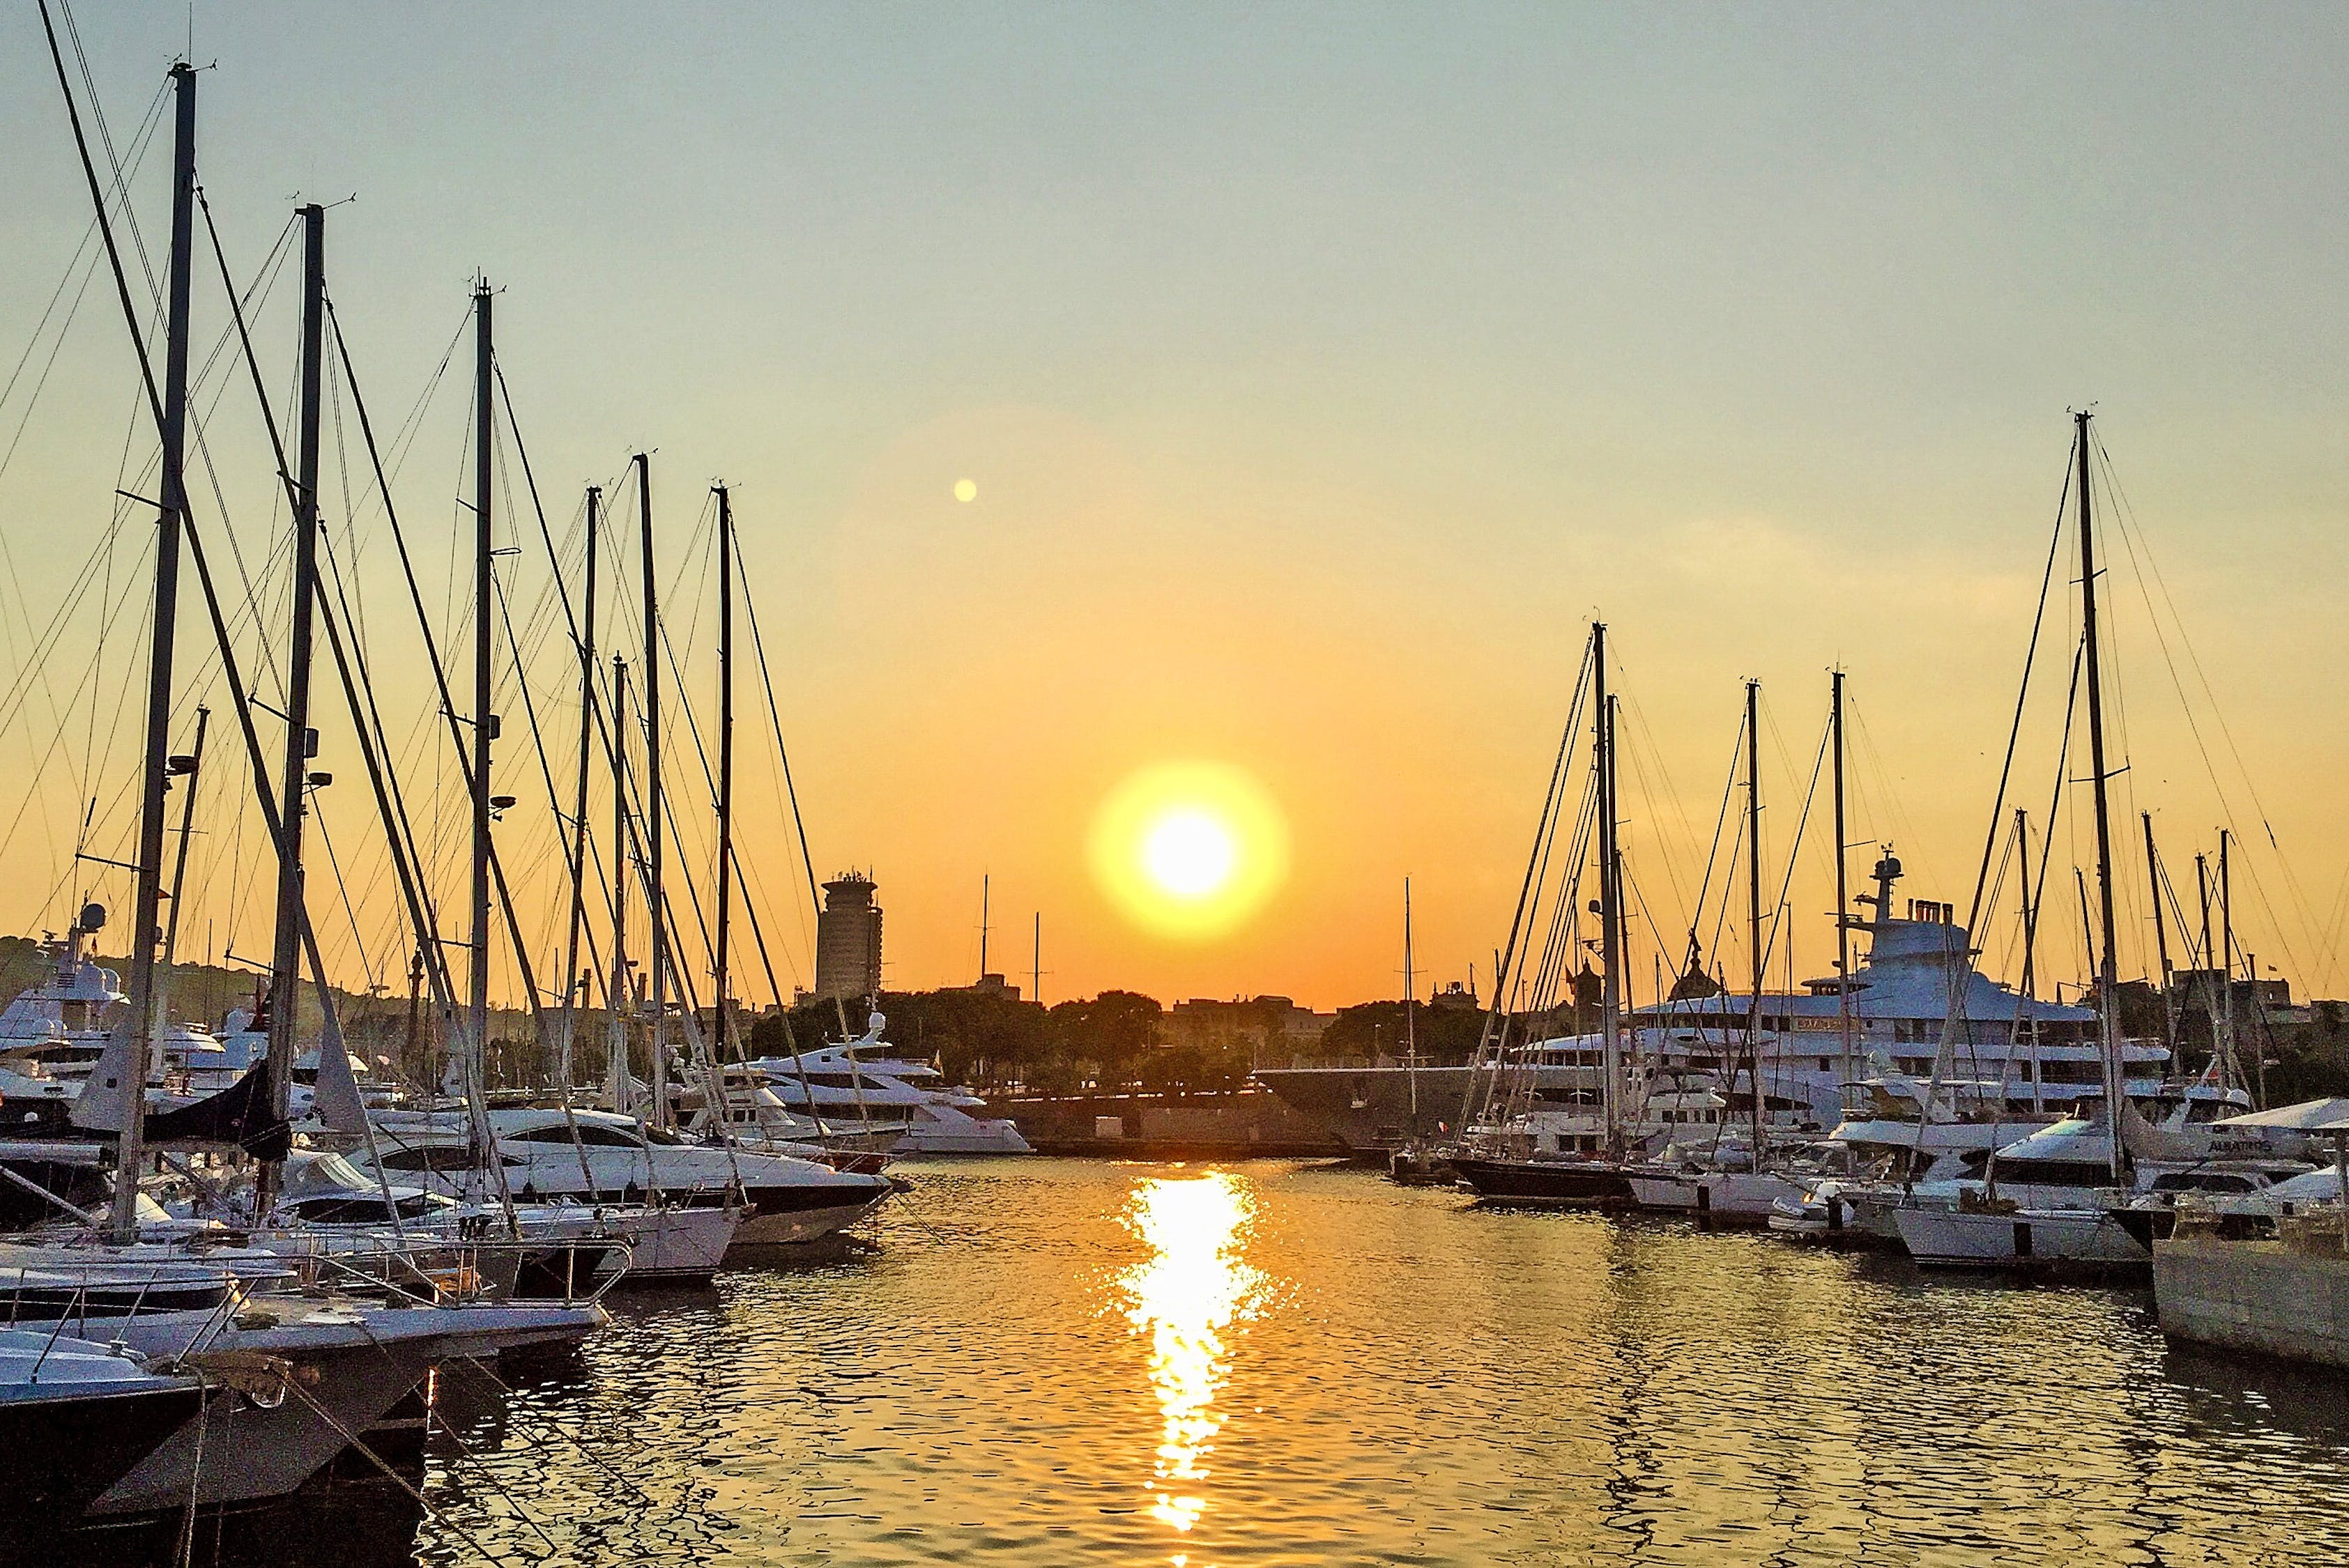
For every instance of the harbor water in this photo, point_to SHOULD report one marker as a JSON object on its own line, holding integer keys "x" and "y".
{"x": 1051, "y": 1362}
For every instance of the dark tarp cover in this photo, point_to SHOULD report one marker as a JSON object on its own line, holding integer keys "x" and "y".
{"x": 239, "y": 1114}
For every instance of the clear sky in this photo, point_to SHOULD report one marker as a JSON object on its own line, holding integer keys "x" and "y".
{"x": 1320, "y": 370}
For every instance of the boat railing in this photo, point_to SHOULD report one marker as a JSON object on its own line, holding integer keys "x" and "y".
{"x": 462, "y": 1271}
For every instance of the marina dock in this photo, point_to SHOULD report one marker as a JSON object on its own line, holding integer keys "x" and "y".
{"x": 2287, "y": 1297}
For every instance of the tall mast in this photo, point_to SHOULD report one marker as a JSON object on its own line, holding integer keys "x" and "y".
{"x": 2107, "y": 982}
{"x": 2160, "y": 938}
{"x": 723, "y": 958}
{"x": 2030, "y": 955}
{"x": 179, "y": 768}
{"x": 1610, "y": 994}
{"x": 571, "y": 977}
{"x": 1036, "y": 963}
{"x": 1843, "y": 897}
{"x": 1754, "y": 904}
{"x": 2211, "y": 1006}
{"x": 653, "y": 901}
{"x": 148, "y": 899}
{"x": 194, "y": 762}
{"x": 982, "y": 925}
{"x": 1410, "y": 997}
{"x": 285, "y": 961}
{"x": 2227, "y": 956}
{"x": 619, "y": 1088}
{"x": 485, "y": 723}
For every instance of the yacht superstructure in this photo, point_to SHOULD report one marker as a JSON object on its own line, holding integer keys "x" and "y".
{"x": 864, "y": 1084}
{"x": 1916, "y": 1002}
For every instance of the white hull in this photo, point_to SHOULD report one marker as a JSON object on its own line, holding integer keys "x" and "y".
{"x": 679, "y": 1243}
{"x": 781, "y": 1201}
{"x": 1956, "y": 1238}
{"x": 982, "y": 1137}
{"x": 796, "y": 1229}
{"x": 1743, "y": 1197}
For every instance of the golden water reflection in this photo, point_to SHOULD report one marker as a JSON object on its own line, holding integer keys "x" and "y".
{"x": 1186, "y": 1296}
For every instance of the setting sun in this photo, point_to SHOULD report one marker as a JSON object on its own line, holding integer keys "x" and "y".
{"x": 1189, "y": 849}
{"x": 1188, "y": 853}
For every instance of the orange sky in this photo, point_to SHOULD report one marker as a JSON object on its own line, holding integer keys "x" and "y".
{"x": 1320, "y": 383}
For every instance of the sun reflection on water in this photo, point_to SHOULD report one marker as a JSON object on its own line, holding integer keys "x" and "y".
{"x": 1194, "y": 1287}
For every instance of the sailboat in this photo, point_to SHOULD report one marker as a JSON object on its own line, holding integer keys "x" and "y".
{"x": 2082, "y": 1230}
{"x": 1513, "y": 1152}
{"x": 352, "y": 1358}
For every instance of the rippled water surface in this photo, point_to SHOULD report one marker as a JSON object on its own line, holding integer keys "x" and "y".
{"x": 1051, "y": 1362}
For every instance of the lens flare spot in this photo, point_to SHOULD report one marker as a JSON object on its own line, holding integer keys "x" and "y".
{"x": 966, "y": 491}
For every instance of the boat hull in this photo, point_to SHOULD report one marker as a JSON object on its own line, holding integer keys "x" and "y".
{"x": 2029, "y": 1241}
{"x": 64, "y": 1452}
{"x": 1563, "y": 1182}
{"x": 989, "y": 1138}
{"x": 1720, "y": 1197}
{"x": 774, "y": 1219}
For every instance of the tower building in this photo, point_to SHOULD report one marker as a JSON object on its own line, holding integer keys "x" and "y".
{"x": 848, "y": 940}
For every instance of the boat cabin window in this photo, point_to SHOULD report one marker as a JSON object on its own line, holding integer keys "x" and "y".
{"x": 2055, "y": 1172}
{"x": 593, "y": 1134}
{"x": 442, "y": 1159}
{"x": 2204, "y": 1182}
{"x": 362, "y": 1210}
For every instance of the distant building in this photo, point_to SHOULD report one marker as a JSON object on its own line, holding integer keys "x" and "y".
{"x": 2194, "y": 990}
{"x": 1455, "y": 997}
{"x": 988, "y": 986}
{"x": 1274, "y": 1023}
{"x": 848, "y": 940}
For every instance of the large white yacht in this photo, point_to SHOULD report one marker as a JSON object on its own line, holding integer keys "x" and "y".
{"x": 52, "y": 1032}
{"x": 2028, "y": 1061}
{"x": 864, "y": 1084}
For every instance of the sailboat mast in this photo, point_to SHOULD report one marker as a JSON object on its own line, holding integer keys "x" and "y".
{"x": 148, "y": 898}
{"x": 485, "y": 723}
{"x": 1843, "y": 894}
{"x": 1610, "y": 993}
{"x": 1410, "y": 1000}
{"x": 2030, "y": 954}
{"x": 1754, "y": 904}
{"x": 982, "y": 923}
{"x": 619, "y": 1089}
{"x": 2211, "y": 1005}
{"x": 2160, "y": 938}
{"x": 285, "y": 967}
{"x": 2107, "y": 982}
{"x": 571, "y": 977}
{"x": 722, "y": 958}
{"x": 655, "y": 900}
{"x": 2227, "y": 955}
{"x": 1036, "y": 963}
{"x": 187, "y": 827}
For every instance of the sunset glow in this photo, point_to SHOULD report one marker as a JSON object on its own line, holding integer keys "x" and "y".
{"x": 1189, "y": 849}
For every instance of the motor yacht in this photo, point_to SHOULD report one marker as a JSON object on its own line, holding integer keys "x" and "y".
{"x": 596, "y": 1156}
{"x": 864, "y": 1084}
{"x": 330, "y": 1205}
